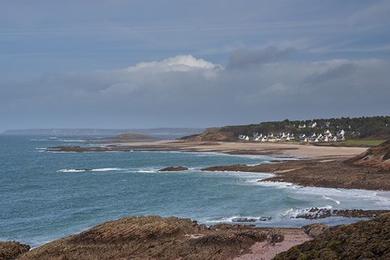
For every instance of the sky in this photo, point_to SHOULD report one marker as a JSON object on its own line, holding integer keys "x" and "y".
{"x": 181, "y": 63}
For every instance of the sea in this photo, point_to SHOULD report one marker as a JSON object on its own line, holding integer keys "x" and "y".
{"x": 48, "y": 195}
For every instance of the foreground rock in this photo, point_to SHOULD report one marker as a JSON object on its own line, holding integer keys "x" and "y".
{"x": 11, "y": 250}
{"x": 362, "y": 240}
{"x": 174, "y": 169}
{"x": 157, "y": 238}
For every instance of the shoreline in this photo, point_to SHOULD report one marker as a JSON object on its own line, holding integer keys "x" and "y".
{"x": 332, "y": 173}
{"x": 155, "y": 237}
{"x": 310, "y": 166}
{"x": 313, "y": 166}
{"x": 299, "y": 151}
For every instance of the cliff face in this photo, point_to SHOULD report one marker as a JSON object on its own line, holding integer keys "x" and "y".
{"x": 362, "y": 240}
{"x": 378, "y": 157}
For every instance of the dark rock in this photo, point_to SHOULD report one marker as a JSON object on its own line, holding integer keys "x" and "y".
{"x": 174, "y": 169}
{"x": 314, "y": 230}
{"x": 11, "y": 250}
{"x": 265, "y": 218}
{"x": 317, "y": 213}
{"x": 244, "y": 219}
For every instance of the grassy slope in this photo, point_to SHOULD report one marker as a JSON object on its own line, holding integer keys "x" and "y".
{"x": 362, "y": 240}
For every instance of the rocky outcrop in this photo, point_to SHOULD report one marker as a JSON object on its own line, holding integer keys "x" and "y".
{"x": 377, "y": 157}
{"x": 362, "y": 240}
{"x": 155, "y": 237}
{"x": 11, "y": 250}
{"x": 250, "y": 219}
{"x": 173, "y": 169}
{"x": 332, "y": 173}
{"x": 316, "y": 229}
{"x": 318, "y": 213}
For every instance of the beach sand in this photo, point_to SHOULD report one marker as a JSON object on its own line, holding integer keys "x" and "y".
{"x": 265, "y": 250}
{"x": 249, "y": 148}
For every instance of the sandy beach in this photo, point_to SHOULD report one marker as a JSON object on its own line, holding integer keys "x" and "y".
{"x": 244, "y": 148}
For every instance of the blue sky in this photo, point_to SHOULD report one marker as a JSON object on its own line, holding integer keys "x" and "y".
{"x": 146, "y": 63}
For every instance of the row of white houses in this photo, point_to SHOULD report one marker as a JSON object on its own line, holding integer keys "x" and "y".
{"x": 327, "y": 136}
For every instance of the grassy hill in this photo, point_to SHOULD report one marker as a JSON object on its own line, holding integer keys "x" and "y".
{"x": 375, "y": 129}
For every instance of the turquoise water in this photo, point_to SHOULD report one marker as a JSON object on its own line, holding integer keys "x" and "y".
{"x": 45, "y": 195}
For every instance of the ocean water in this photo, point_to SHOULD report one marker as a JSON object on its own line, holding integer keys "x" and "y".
{"x": 45, "y": 196}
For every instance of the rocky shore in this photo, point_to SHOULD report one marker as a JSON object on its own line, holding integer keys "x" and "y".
{"x": 173, "y": 169}
{"x": 318, "y": 213}
{"x": 162, "y": 238}
{"x": 330, "y": 173}
{"x": 154, "y": 237}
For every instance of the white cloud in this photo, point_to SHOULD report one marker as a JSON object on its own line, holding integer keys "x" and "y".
{"x": 181, "y": 63}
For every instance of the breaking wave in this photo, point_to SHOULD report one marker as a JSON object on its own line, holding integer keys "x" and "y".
{"x": 90, "y": 170}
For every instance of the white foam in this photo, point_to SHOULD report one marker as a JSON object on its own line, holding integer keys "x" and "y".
{"x": 294, "y": 212}
{"x": 331, "y": 199}
{"x": 72, "y": 140}
{"x": 231, "y": 218}
{"x": 146, "y": 170}
{"x": 279, "y": 185}
{"x": 366, "y": 198}
{"x": 90, "y": 170}
{"x": 106, "y": 169}
{"x": 71, "y": 170}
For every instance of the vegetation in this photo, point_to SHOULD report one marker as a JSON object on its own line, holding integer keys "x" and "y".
{"x": 362, "y": 240}
{"x": 356, "y": 142}
{"x": 372, "y": 129}
{"x": 360, "y": 127}
{"x": 377, "y": 156}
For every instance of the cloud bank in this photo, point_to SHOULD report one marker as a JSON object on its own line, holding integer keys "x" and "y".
{"x": 254, "y": 85}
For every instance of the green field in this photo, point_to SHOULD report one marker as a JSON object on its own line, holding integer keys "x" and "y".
{"x": 356, "y": 142}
